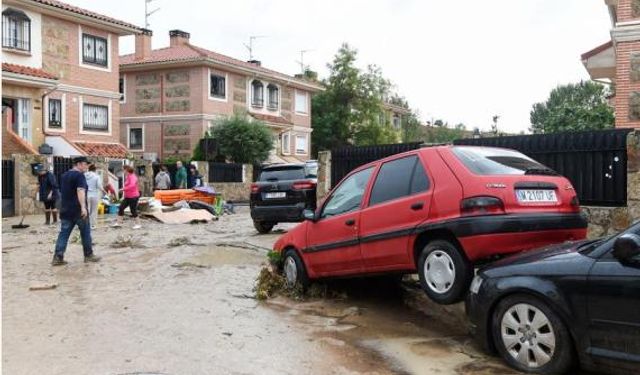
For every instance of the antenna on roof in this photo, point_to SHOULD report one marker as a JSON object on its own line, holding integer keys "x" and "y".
{"x": 301, "y": 62}
{"x": 250, "y": 45}
{"x": 148, "y": 13}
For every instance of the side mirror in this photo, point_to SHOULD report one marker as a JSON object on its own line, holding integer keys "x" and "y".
{"x": 309, "y": 215}
{"x": 626, "y": 247}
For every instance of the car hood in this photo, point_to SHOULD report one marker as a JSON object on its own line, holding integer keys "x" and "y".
{"x": 561, "y": 258}
{"x": 293, "y": 237}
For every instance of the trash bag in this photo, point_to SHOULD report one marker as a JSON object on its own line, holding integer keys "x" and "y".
{"x": 197, "y": 205}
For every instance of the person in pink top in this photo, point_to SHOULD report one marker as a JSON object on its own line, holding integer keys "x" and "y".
{"x": 131, "y": 196}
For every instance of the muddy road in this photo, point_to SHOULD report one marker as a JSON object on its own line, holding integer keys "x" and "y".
{"x": 179, "y": 300}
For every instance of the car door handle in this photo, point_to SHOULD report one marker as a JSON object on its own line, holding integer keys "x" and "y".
{"x": 417, "y": 206}
{"x": 350, "y": 222}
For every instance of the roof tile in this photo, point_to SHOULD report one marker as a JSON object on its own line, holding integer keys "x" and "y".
{"x": 110, "y": 150}
{"x": 84, "y": 12}
{"x": 27, "y": 71}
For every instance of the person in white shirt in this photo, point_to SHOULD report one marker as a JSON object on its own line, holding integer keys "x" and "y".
{"x": 94, "y": 193}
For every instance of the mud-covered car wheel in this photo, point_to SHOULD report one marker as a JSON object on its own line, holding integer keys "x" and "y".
{"x": 295, "y": 274}
{"x": 445, "y": 274}
{"x": 530, "y": 337}
{"x": 263, "y": 227}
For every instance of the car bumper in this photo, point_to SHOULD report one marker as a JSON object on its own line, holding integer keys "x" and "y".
{"x": 278, "y": 214}
{"x": 477, "y": 312}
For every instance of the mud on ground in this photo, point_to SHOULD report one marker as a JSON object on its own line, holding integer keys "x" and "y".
{"x": 179, "y": 299}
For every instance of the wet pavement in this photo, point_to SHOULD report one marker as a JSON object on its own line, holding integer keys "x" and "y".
{"x": 180, "y": 300}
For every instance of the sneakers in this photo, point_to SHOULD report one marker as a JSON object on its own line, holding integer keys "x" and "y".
{"x": 58, "y": 261}
{"x": 137, "y": 226}
{"x": 92, "y": 258}
{"x": 115, "y": 224}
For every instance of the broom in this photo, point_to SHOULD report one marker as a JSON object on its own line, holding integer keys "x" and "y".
{"x": 20, "y": 226}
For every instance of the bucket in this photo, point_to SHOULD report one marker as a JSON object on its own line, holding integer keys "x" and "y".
{"x": 113, "y": 208}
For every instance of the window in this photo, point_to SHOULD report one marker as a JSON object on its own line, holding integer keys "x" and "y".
{"x": 301, "y": 102}
{"x": 16, "y": 30}
{"x": 94, "y": 50}
{"x": 257, "y": 94}
{"x": 301, "y": 144}
{"x": 55, "y": 113}
{"x": 218, "y": 86}
{"x": 397, "y": 179}
{"x": 122, "y": 89}
{"x": 95, "y": 117}
{"x": 492, "y": 161}
{"x": 283, "y": 174}
{"x": 348, "y": 196}
{"x": 286, "y": 143}
{"x": 273, "y": 97}
{"x": 135, "y": 139}
{"x": 397, "y": 121}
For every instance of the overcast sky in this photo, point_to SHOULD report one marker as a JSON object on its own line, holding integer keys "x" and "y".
{"x": 462, "y": 61}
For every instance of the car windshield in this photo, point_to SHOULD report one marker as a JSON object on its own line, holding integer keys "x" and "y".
{"x": 311, "y": 170}
{"x": 283, "y": 174}
{"x": 497, "y": 161}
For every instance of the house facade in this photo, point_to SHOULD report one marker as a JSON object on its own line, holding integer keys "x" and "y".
{"x": 618, "y": 61}
{"x": 172, "y": 96}
{"x": 60, "y": 76}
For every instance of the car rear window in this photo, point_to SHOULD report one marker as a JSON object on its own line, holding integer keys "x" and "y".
{"x": 490, "y": 161}
{"x": 283, "y": 174}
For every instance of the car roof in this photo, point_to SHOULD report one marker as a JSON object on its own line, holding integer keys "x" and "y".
{"x": 283, "y": 165}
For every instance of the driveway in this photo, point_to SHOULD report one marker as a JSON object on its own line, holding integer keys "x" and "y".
{"x": 179, "y": 300}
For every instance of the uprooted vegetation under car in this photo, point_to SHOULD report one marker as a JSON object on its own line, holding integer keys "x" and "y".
{"x": 271, "y": 283}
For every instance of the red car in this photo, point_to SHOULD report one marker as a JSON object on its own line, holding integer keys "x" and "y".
{"x": 435, "y": 211}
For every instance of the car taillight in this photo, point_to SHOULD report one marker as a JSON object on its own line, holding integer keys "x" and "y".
{"x": 255, "y": 188}
{"x": 575, "y": 203}
{"x": 482, "y": 206}
{"x": 303, "y": 185}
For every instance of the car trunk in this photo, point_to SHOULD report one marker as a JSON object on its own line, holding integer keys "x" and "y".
{"x": 275, "y": 187}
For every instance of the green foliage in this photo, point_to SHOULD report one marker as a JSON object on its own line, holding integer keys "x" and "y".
{"x": 243, "y": 140}
{"x": 443, "y": 134}
{"x": 573, "y": 107}
{"x": 348, "y": 111}
{"x": 175, "y": 159}
{"x": 275, "y": 257}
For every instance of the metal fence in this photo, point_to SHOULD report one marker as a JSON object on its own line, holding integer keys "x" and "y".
{"x": 61, "y": 165}
{"x": 594, "y": 161}
{"x": 8, "y": 192}
{"x": 225, "y": 172}
{"x": 346, "y": 159}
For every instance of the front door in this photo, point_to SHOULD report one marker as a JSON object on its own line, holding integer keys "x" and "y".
{"x": 399, "y": 201}
{"x": 333, "y": 247}
{"x": 614, "y": 312}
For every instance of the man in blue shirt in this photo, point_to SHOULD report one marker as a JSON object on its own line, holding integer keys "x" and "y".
{"x": 73, "y": 211}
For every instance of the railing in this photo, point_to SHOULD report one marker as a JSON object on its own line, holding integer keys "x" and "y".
{"x": 225, "y": 172}
{"x": 7, "y": 179}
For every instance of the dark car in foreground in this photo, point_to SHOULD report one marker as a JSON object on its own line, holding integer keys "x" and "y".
{"x": 281, "y": 193}
{"x": 547, "y": 310}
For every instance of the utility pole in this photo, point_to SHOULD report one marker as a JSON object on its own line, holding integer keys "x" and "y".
{"x": 250, "y": 45}
{"x": 301, "y": 62}
{"x": 148, "y": 13}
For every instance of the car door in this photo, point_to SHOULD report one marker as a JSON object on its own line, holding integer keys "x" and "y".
{"x": 614, "y": 311}
{"x": 400, "y": 199}
{"x": 333, "y": 247}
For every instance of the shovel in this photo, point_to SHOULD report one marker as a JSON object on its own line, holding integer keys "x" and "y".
{"x": 20, "y": 226}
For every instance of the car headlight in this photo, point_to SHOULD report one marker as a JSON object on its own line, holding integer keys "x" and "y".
{"x": 476, "y": 284}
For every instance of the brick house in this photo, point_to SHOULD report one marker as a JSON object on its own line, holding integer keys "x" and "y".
{"x": 171, "y": 96}
{"x": 60, "y": 68}
{"x": 618, "y": 60}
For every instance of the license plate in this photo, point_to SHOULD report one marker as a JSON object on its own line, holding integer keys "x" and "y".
{"x": 536, "y": 196}
{"x": 280, "y": 194}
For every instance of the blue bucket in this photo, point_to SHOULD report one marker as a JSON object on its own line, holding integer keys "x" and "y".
{"x": 113, "y": 208}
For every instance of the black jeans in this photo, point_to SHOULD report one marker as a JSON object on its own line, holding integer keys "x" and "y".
{"x": 132, "y": 203}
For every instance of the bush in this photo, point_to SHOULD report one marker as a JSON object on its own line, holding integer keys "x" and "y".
{"x": 242, "y": 140}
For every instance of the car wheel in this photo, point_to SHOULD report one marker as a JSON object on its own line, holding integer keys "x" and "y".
{"x": 295, "y": 274}
{"x": 530, "y": 337}
{"x": 263, "y": 227}
{"x": 445, "y": 274}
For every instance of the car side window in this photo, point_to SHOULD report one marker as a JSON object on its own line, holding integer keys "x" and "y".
{"x": 398, "y": 178}
{"x": 348, "y": 196}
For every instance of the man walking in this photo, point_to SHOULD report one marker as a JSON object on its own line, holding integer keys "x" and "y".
{"x": 48, "y": 194}
{"x": 74, "y": 212}
{"x": 181, "y": 176}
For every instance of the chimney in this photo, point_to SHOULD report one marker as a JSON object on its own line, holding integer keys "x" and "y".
{"x": 255, "y": 62}
{"x": 143, "y": 44}
{"x": 178, "y": 38}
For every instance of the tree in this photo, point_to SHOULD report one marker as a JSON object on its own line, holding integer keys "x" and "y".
{"x": 573, "y": 107}
{"x": 243, "y": 140}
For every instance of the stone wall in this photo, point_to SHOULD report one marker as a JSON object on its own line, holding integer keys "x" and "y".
{"x": 324, "y": 174}
{"x": 26, "y": 185}
{"x": 610, "y": 220}
{"x": 236, "y": 191}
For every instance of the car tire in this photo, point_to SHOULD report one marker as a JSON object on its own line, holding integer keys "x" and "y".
{"x": 294, "y": 271}
{"x": 263, "y": 227}
{"x": 524, "y": 317}
{"x": 444, "y": 272}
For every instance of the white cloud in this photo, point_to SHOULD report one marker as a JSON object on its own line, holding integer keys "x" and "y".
{"x": 462, "y": 61}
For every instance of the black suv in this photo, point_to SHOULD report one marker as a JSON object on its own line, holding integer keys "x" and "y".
{"x": 281, "y": 193}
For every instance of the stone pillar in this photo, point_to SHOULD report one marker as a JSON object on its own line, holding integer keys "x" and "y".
{"x": 203, "y": 168}
{"x": 633, "y": 175}
{"x": 324, "y": 174}
{"x": 247, "y": 173}
{"x": 26, "y": 184}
